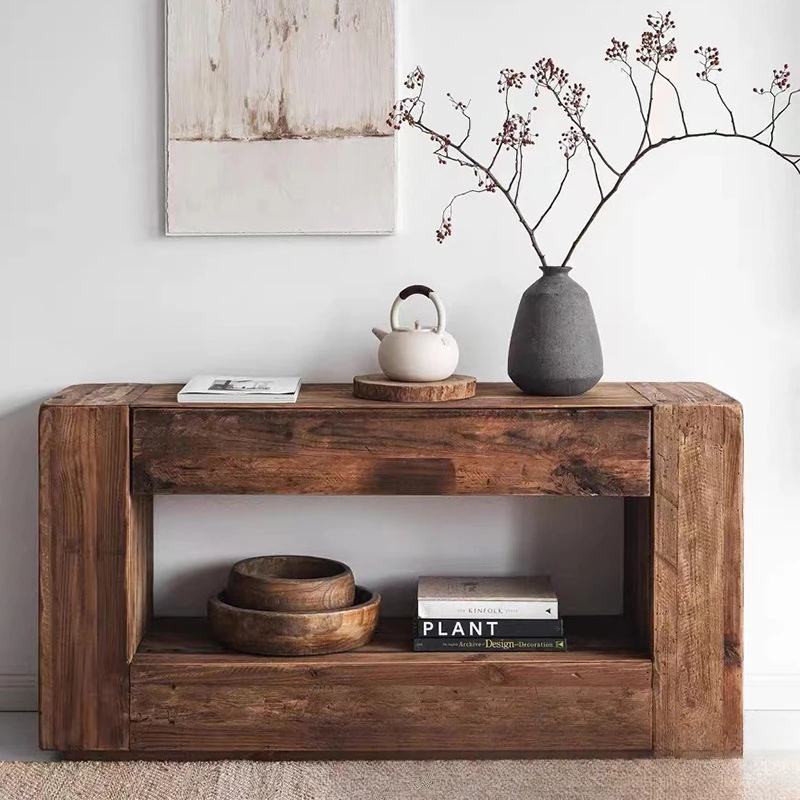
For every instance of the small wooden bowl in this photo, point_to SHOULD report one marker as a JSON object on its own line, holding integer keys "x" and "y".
{"x": 290, "y": 583}
{"x": 276, "y": 633}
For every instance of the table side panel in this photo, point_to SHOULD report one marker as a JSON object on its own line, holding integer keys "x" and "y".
{"x": 382, "y": 450}
{"x": 389, "y": 707}
{"x": 697, "y": 570}
{"x": 86, "y": 519}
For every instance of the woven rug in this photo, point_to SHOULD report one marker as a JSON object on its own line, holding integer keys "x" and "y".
{"x": 762, "y": 779}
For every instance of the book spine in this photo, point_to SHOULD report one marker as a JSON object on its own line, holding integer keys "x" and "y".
{"x": 487, "y": 609}
{"x": 541, "y": 644}
{"x": 492, "y": 628}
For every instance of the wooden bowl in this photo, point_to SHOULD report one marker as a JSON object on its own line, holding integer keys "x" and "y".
{"x": 290, "y": 583}
{"x": 288, "y": 633}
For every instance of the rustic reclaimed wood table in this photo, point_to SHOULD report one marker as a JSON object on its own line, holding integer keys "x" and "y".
{"x": 664, "y": 677}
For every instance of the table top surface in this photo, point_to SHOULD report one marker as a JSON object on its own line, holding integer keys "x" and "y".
{"x": 333, "y": 396}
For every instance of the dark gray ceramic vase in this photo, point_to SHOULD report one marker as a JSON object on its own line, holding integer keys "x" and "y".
{"x": 555, "y": 348}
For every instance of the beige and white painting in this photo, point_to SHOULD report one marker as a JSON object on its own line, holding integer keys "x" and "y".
{"x": 276, "y": 116}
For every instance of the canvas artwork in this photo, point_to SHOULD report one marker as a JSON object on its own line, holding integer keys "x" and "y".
{"x": 276, "y": 116}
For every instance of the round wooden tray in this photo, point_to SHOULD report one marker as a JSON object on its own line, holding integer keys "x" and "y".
{"x": 379, "y": 387}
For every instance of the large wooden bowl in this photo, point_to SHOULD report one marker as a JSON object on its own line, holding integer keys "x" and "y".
{"x": 290, "y": 583}
{"x": 279, "y": 633}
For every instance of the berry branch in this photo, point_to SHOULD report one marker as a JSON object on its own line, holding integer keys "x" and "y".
{"x": 618, "y": 52}
{"x": 709, "y": 61}
{"x": 569, "y": 143}
{"x": 657, "y": 48}
{"x": 780, "y": 85}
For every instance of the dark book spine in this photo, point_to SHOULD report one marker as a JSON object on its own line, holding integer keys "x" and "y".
{"x": 486, "y": 645}
{"x": 487, "y": 628}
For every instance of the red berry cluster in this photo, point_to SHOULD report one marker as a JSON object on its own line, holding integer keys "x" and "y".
{"x": 547, "y": 73}
{"x": 415, "y": 79}
{"x": 516, "y": 133}
{"x": 400, "y": 113}
{"x": 510, "y": 79}
{"x": 485, "y": 183}
{"x": 655, "y": 47}
{"x": 576, "y": 100}
{"x": 570, "y": 141}
{"x": 709, "y": 61}
{"x": 457, "y": 104}
{"x": 618, "y": 51}
{"x": 444, "y": 141}
{"x": 445, "y": 229}
{"x": 780, "y": 81}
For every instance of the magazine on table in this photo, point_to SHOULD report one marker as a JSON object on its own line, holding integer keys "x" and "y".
{"x": 236, "y": 389}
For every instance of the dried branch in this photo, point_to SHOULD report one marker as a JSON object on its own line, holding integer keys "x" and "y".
{"x": 516, "y": 133}
{"x": 446, "y": 227}
{"x": 668, "y": 140}
{"x": 656, "y": 49}
{"x": 462, "y": 109}
{"x": 780, "y": 84}
{"x": 618, "y": 52}
{"x": 709, "y": 63}
{"x": 572, "y": 100}
{"x": 677, "y": 97}
{"x": 569, "y": 143}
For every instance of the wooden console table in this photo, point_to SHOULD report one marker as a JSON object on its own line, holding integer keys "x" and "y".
{"x": 664, "y": 677}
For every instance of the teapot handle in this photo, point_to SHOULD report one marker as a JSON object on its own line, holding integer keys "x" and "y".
{"x": 427, "y": 292}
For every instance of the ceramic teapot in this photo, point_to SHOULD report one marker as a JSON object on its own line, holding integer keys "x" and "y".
{"x": 418, "y": 354}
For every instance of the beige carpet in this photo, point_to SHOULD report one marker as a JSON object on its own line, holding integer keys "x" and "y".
{"x": 758, "y": 779}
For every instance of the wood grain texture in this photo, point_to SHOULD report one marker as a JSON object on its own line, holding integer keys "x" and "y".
{"x": 139, "y": 571}
{"x": 697, "y": 580}
{"x": 384, "y": 450}
{"x": 95, "y": 566}
{"x": 365, "y": 715}
{"x": 379, "y": 387}
{"x": 99, "y": 394}
{"x": 384, "y": 698}
{"x": 90, "y": 558}
{"x": 681, "y": 393}
{"x": 499, "y": 396}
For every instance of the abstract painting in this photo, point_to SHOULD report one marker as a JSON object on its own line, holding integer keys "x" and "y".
{"x": 276, "y": 116}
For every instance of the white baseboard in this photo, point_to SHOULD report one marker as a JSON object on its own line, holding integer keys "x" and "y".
{"x": 766, "y": 692}
{"x": 18, "y": 693}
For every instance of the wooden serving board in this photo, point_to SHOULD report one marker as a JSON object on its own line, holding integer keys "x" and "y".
{"x": 379, "y": 387}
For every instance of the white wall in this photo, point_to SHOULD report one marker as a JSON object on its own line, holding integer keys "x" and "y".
{"x": 693, "y": 271}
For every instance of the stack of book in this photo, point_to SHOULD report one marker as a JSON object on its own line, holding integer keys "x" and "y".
{"x": 487, "y": 614}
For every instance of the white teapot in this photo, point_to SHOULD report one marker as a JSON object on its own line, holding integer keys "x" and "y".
{"x": 417, "y": 354}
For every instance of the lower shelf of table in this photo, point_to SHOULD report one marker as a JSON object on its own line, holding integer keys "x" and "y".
{"x": 190, "y": 694}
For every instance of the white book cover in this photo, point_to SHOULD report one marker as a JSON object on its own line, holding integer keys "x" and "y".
{"x": 518, "y": 597}
{"x": 239, "y": 389}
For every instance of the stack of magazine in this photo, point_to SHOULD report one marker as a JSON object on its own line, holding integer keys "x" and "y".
{"x": 487, "y": 614}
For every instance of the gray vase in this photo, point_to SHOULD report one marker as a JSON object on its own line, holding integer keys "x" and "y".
{"x": 555, "y": 348}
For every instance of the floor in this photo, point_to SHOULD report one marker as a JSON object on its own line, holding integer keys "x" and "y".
{"x": 766, "y": 734}
{"x": 770, "y": 770}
